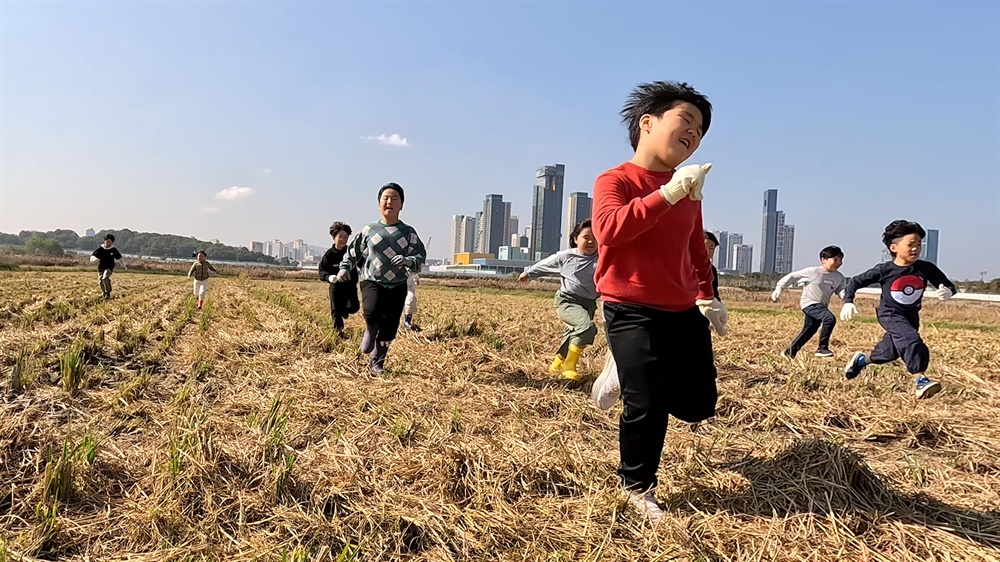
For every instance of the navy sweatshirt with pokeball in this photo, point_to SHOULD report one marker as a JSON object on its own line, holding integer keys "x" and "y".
{"x": 902, "y": 286}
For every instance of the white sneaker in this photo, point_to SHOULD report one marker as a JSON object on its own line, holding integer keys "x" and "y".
{"x": 606, "y": 389}
{"x": 646, "y": 505}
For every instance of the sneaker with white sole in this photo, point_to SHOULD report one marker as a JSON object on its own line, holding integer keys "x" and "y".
{"x": 824, "y": 352}
{"x": 925, "y": 387}
{"x": 607, "y": 388}
{"x": 855, "y": 365}
{"x": 646, "y": 505}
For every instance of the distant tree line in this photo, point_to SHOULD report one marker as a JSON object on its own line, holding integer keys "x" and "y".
{"x": 129, "y": 242}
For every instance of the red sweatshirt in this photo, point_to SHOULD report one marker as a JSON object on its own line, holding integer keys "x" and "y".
{"x": 650, "y": 253}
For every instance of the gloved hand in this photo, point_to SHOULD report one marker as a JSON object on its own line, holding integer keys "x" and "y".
{"x": 776, "y": 295}
{"x": 93, "y": 258}
{"x": 716, "y": 313}
{"x": 401, "y": 261}
{"x": 332, "y": 278}
{"x": 942, "y": 293}
{"x": 848, "y": 311}
{"x": 342, "y": 276}
{"x": 686, "y": 182}
{"x": 522, "y": 277}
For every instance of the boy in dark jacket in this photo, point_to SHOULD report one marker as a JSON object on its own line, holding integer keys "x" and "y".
{"x": 343, "y": 296}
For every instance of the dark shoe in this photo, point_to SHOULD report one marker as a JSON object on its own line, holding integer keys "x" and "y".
{"x": 824, "y": 353}
{"x": 378, "y": 357}
{"x": 367, "y": 343}
{"x": 855, "y": 365}
{"x": 788, "y": 354}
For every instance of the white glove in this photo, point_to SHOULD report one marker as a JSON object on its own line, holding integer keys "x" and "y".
{"x": 400, "y": 260}
{"x": 332, "y": 278}
{"x": 776, "y": 295}
{"x": 344, "y": 275}
{"x": 686, "y": 181}
{"x": 93, "y": 258}
{"x": 942, "y": 293}
{"x": 848, "y": 311}
{"x": 716, "y": 313}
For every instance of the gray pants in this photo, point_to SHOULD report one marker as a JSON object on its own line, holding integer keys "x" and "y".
{"x": 106, "y": 281}
{"x": 578, "y": 316}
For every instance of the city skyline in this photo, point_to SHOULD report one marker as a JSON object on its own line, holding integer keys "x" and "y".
{"x": 578, "y": 209}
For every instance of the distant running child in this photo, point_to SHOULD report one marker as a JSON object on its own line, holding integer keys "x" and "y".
{"x": 821, "y": 282}
{"x": 105, "y": 256}
{"x": 711, "y": 243}
{"x": 343, "y": 296}
{"x": 199, "y": 270}
{"x": 904, "y": 281}
{"x": 410, "y": 306}
{"x": 384, "y": 250}
{"x": 655, "y": 278}
{"x": 576, "y": 300}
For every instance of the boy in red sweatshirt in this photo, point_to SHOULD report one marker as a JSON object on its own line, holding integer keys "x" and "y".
{"x": 655, "y": 278}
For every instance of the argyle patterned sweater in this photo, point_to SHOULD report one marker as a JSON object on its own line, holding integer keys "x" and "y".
{"x": 374, "y": 247}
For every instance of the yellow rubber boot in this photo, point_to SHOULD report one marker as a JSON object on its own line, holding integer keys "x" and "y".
{"x": 569, "y": 365}
{"x": 556, "y": 365}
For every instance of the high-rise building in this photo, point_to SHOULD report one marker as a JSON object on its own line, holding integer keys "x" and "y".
{"x": 785, "y": 245}
{"x": 90, "y": 232}
{"x": 463, "y": 234}
{"x": 515, "y": 225}
{"x": 515, "y": 240}
{"x": 546, "y": 211}
{"x": 267, "y": 248}
{"x": 479, "y": 233}
{"x": 505, "y": 236}
{"x": 929, "y": 249}
{"x": 769, "y": 232}
{"x": 577, "y": 210}
{"x": 257, "y": 247}
{"x": 278, "y": 247}
{"x": 735, "y": 239}
{"x": 495, "y": 223}
{"x": 743, "y": 258}
{"x": 721, "y": 258}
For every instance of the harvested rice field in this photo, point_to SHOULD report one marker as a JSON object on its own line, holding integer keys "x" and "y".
{"x": 144, "y": 429}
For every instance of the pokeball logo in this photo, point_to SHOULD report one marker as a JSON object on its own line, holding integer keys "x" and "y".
{"x": 907, "y": 289}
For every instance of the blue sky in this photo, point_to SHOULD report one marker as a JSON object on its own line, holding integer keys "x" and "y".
{"x": 137, "y": 115}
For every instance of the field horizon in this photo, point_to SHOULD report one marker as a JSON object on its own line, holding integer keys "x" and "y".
{"x": 143, "y": 429}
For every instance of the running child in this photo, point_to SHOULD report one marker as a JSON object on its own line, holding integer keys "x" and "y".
{"x": 105, "y": 257}
{"x": 576, "y": 300}
{"x": 410, "y": 306}
{"x": 711, "y": 243}
{"x": 199, "y": 270}
{"x": 655, "y": 278}
{"x": 343, "y": 296}
{"x": 821, "y": 282}
{"x": 903, "y": 281}
{"x": 384, "y": 250}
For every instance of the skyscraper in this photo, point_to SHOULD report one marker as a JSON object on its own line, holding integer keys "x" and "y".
{"x": 735, "y": 239}
{"x": 90, "y": 232}
{"x": 577, "y": 210}
{"x": 546, "y": 211}
{"x": 463, "y": 234}
{"x": 743, "y": 257}
{"x": 515, "y": 225}
{"x": 721, "y": 258}
{"x": 257, "y": 247}
{"x": 505, "y": 236}
{"x": 929, "y": 250}
{"x": 769, "y": 232}
{"x": 784, "y": 248}
{"x": 478, "y": 245}
{"x": 496, "y": 222}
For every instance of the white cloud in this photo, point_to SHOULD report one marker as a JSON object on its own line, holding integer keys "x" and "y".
{"x": 209, "y": 210}
{"x": 234, "y": 192}
{"x": 264, "y": 172}
{"x": 388, "y": 140}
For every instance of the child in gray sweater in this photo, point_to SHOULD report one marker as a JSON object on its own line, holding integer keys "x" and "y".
{"x": 576, "y": 300}
{"x": 821, "y": 282}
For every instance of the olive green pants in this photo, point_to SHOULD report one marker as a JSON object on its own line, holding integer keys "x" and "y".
{"x": 578, "y": 316}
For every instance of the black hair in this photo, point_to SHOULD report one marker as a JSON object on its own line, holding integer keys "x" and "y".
{"x": 338, "y": 226}
{"x": 711, "y": 238}
{"x": 576, "y": 232}
{"x": 109, "y": 236}
{"x": 395, "y": 187}
{"x": 898, "y": 229}
{"x": 657, "y": 98}
{"x": 201, "y": 252}
{"x": 831, "y": 252}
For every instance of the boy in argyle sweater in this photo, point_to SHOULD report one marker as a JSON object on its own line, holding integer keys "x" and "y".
{"x": 383, "y": 252}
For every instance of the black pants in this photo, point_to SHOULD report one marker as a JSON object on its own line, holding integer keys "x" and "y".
{"x": 817, "y": 316}
{"x": 382, "y": 307}
{"x": 901, "y": 339}
{"x": 343, "y": 302}
{"x": 665, "y": 367}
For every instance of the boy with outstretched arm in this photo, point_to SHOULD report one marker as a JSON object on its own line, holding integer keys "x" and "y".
{"x": 343, "y": 296}
{"x": 384, "y": 250}
{"x": 903, "y": 281}
{"x": 821, "y": 282}
{"x": 199, "y": 270}
{"x": 105, "y": 256}
{"x": 655, "y": 278}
